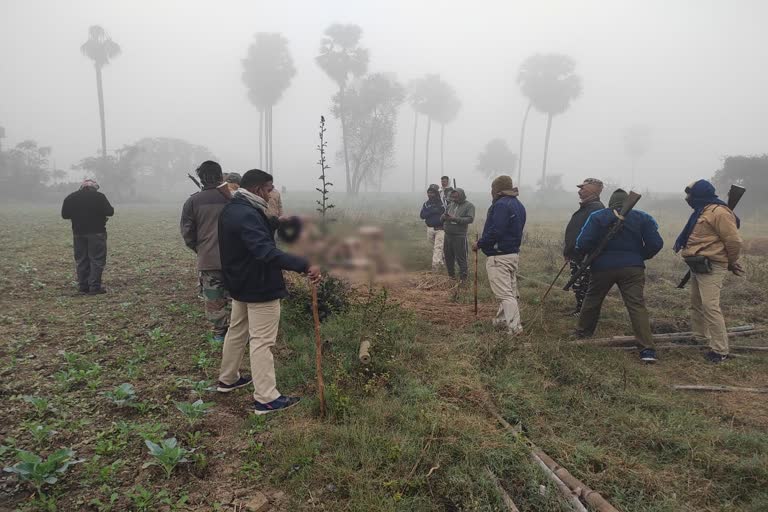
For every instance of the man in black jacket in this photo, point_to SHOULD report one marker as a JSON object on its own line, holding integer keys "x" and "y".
{"x": 589, "y": 202}
{"x": 252, "y": 267}
{"x": 88, "y": 210}
{"x": 432, "y": 211}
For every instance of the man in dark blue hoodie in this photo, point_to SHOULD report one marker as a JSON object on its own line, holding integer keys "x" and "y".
{"x": 621, "y": 263}
{"x": 502, "y": 235}
{"x": 252, "y": 267}
{"x": 432, "y": 211}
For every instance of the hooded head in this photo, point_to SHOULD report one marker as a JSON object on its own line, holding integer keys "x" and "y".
{"x": 617, "y": 199}
{"x": 503, "y": 186}
{"x": 458, "y": 196}
{"x": 433, "y": 192}
{"x": 700, "y": 193}
{"x": 89, "y": 184}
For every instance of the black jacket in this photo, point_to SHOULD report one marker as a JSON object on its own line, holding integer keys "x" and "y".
{"x": 88, "y": 209}
{"x": 251, "y": 263}
{"x": 578, "y": 219}
{"x": 431, "y": 212}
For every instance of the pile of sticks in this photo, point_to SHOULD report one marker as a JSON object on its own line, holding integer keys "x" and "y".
{"x": 677, "y": 340}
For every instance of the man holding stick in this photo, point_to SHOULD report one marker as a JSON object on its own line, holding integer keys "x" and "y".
{"x": 252, "y": 266}
{"x": 500, "y": 242}
{"x": 456, "y": 220}
{"x": 621, "y": 263}
{"x": 710, "y": 244}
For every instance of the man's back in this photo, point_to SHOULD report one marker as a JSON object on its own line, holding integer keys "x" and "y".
{"x": 200, "y": 225}
{"x": 637, "y": 240}
{"x": 88, "y": 209}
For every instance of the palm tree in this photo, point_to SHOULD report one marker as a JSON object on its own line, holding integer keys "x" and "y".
{"x": 636, "y": 143}
{"x": 448, "y": 108}
{"x": 550, "y": 84}
{"x": 434, "y": 94}
{"x": 341, "y": 58}
{"x": 416, "y": 98}
{"x": 100, "y": 48}
{"x": 267, "y": 72}
{"x": 496, "y": 159}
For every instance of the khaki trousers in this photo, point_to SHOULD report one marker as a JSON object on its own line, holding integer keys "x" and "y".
{"x": 436, "y": 237}
{"x": 259, "y": 321}
{"x": 502, "y": 276}
{"x": 707, "y": 320}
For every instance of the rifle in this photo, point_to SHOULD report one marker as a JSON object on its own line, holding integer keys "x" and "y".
{"x": 194, "y": 180}
{"x": 734, "y": 196}
{"x": 613, "y": 230}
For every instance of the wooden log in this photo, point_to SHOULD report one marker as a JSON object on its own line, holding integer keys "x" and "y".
{"x": 593, "y": 498}
{"x": 696, "y": 387}
{"x": 672, "y": 336}
{"x": 734, "y": 348}
{"x": 504, "y": 495}
{"x": 569, "y": 495}
{"x": 364, "y": 354}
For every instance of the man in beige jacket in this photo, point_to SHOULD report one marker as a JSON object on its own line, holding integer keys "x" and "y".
{"x": 711, "y": 245}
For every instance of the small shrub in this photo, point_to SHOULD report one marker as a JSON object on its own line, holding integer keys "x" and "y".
{"x": 195, "y": 410}
{"x": 40, "y": 432}
{"x": 32, "y": 468}
{"x": 167, "y": 454}
{"x": 40, "y": 404}
{"x": 122, "y": 395}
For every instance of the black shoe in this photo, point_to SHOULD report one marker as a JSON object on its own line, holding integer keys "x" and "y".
{"x": 714, "y": 357}
{"x": 578, "y": 334}
{"x": 648, "y": 355}
{"x": 226, "y": 388}
{"x": 278, "y": 404}
{"x": 97, "y": 291}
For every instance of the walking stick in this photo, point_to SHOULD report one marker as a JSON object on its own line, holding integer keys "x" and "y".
{"x": 476, "y": 256}
{"x": 318, "y": 352}
{"x": 553, "y": 282}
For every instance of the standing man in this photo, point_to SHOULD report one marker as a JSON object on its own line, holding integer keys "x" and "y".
{"x": 711, "y": 246}
{"x": 502, "y": 235}
{"x": 621, "y": 263}
{"x": 456, "y": 220}
{"x": 200, "y": 228}
{"x": 445, "y": 191}
{"x": 233, "y": 182}
{"x": 252, "y": 266}
{"x": 589, "y": 202}
{"x": 432, "y": 212}
{"x": 88, "y": 210}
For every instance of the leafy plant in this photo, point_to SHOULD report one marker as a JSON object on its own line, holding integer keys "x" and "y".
{"x": 195, "y": 410}
{"x": 41, "y": 405}
{"x": 162, "y": 339}
{"x": 324, "y": 203}
{"x": 40, "y": 432}
{"x": 32, "y": 468}
{"x": 122, "y": 395}
{"x": 167, "y": 454}
{"x": 78, "y": 370}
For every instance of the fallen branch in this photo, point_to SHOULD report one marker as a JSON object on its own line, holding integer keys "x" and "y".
{"x": 734, "y": 348}
{"x": 573, "y": 499}
{"x": 692, "y": 387}
{"x": 504, "y": 496}
{"x": 746, "y": 330}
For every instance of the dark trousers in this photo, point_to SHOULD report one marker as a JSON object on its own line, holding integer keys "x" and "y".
{"x": 631, "y": 283}
{"x": 456, "y": 252}
{"x": 581, "y": 285}
{"x": 90, "y": 257}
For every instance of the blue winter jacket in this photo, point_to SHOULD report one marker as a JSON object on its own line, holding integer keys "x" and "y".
{"x": 431, "y": 212}
{"x": 251, "y": 263}
{"x": 503, "y": 230}
{"x": 637, "y": 241}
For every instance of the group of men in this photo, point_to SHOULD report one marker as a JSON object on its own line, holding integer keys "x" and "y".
{"x": 709, "y": 243}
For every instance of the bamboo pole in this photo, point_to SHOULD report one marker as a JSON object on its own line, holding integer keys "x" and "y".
{"x": 734, "y": 348}
{"x": 364, "y": 354}
{"x": 318, "y": 352}
{"x": 504, "y": 495}
{"x": 570, "y": 496}
{"x": 692, "y": 387}
{"x": 672, "y": 336}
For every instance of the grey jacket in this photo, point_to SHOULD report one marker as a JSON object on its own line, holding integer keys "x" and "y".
{"x": 463, "y": 213}
{"x": 200, "y": 225}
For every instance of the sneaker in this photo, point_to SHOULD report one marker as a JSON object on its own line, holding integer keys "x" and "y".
{"x": 97, "y": 291}
{"x": 226, "y": 388}
{"x": 714, "y": 357}
{"x": 278, "y": 404}
{"x": 217, "y": 338}
{"x": 648, "y": 355}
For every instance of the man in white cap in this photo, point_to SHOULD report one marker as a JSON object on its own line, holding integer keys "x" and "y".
{"x": 88, "y": 210}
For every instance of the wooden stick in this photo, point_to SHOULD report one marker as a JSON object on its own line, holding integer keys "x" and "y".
{"x": 691, "y": 387}
{"x": 364, "y": 353}
{"x": 318, "y": 352}
{"x": 734, "y": 348}
{"x": 504, "y": 495}
{"x": 569, "y": 495}
{"x": 544, "y": 297}
{"x": 477, "y": 237}
{"x": 672, "y": 336}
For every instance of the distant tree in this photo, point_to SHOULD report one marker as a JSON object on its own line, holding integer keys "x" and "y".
{"x": 267, "y": 73}
{"x": 24, "y": 169}
{"x": 371, "y": 105}
{"x": 342, "y": 58}
{"x": 100, "y": 49}
{"x": 550, "y": 84}
{"x": 118, "y": 173}
{"x": 438, "y": 102}
{"x": 161, "y": 163}
{"x": 496, "y": 159}
{"x": 416, "y": 99}
{"x": 750, "y": 172}
{"x": 637, "y": 140}
{"x": 449, "y": 106}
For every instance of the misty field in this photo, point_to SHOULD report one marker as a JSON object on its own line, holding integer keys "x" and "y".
{"x": 412, "y": 431}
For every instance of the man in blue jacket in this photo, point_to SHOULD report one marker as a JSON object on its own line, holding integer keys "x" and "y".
{"x": 622, "y": 263}
{"x": 252, "y": 267}
{"x": 502, "y": 235}
{"x": 432, "y": 211}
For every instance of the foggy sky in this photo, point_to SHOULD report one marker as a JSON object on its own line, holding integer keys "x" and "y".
{"x": 694, "y": 71}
